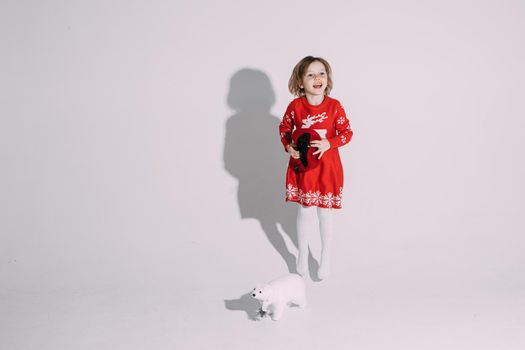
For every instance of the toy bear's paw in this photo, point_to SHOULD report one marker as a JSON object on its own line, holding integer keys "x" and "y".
{"x": 277, "y": 316}
{"x": 262, "y": 313}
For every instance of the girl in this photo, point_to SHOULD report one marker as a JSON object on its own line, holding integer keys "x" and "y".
{"x": 318, "y": 190}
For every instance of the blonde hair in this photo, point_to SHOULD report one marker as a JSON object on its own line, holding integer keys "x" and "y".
{"x": 296, "y": 79}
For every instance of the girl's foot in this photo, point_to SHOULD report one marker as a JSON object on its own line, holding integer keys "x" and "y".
{"x": 324, "y": 271}
{"x": 302, "y": 267}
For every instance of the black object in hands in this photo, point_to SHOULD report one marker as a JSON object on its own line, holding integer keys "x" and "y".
{"x": 303, "y": 143}
{"x": 301, "y": 138}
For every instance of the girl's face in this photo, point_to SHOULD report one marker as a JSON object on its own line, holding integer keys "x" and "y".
{"x": 315, "y": 79}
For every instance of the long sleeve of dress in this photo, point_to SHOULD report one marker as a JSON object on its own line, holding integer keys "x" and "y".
{"x": 286, "y": 127}
{"x": 344, "y": 131}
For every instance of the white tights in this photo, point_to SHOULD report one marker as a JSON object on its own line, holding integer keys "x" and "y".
{"x": 307, "y": 217}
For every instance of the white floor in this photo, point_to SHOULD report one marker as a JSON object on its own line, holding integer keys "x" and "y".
{"x": 347, "y": 311}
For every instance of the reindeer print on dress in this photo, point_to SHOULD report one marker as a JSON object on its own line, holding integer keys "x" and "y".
{"x": 313, "y": 119}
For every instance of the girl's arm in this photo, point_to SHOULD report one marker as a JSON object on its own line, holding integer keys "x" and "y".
{"x": 286, "y": 127}
{"x": 342, "y": 125}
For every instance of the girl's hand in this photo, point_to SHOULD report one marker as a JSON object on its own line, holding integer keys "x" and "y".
{"x": 293, "y": 152}
{"x": 322, "y": 146}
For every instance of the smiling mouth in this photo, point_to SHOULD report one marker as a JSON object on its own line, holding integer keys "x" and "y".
{"x": 318, "y": 86}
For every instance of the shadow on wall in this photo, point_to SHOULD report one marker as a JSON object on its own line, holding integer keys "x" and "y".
{"x": 254, "y": 155}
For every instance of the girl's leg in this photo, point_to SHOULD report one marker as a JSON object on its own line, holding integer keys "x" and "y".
{"x": 305, "y": 224}
{"x": 326, "y": 229}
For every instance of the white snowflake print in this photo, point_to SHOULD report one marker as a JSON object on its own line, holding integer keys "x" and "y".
{"x": 311, "y": 198}
{"x": 339, "y": 198}
{"x": 337, "y": 201}
{"x": 329, "y": 200}
{"x": 341, "y": 120}
{"x": 343, "y": 138}
{"x": 304, "y": 198}
{"x": 291, "y": 192}
{"x": 313, "y": 119}
{"x": 314, "y": 198}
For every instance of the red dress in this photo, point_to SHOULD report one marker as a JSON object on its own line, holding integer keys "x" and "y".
{"x": 321, "y": 186}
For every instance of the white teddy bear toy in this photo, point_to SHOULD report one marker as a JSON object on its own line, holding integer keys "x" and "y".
{"x": 279, "y": 293}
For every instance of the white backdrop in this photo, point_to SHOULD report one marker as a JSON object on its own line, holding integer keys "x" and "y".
{"x": 140, "y": 152}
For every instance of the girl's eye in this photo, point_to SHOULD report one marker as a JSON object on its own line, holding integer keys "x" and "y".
{"x": 322, "y": 74}
{"x": 309, "y": 75}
